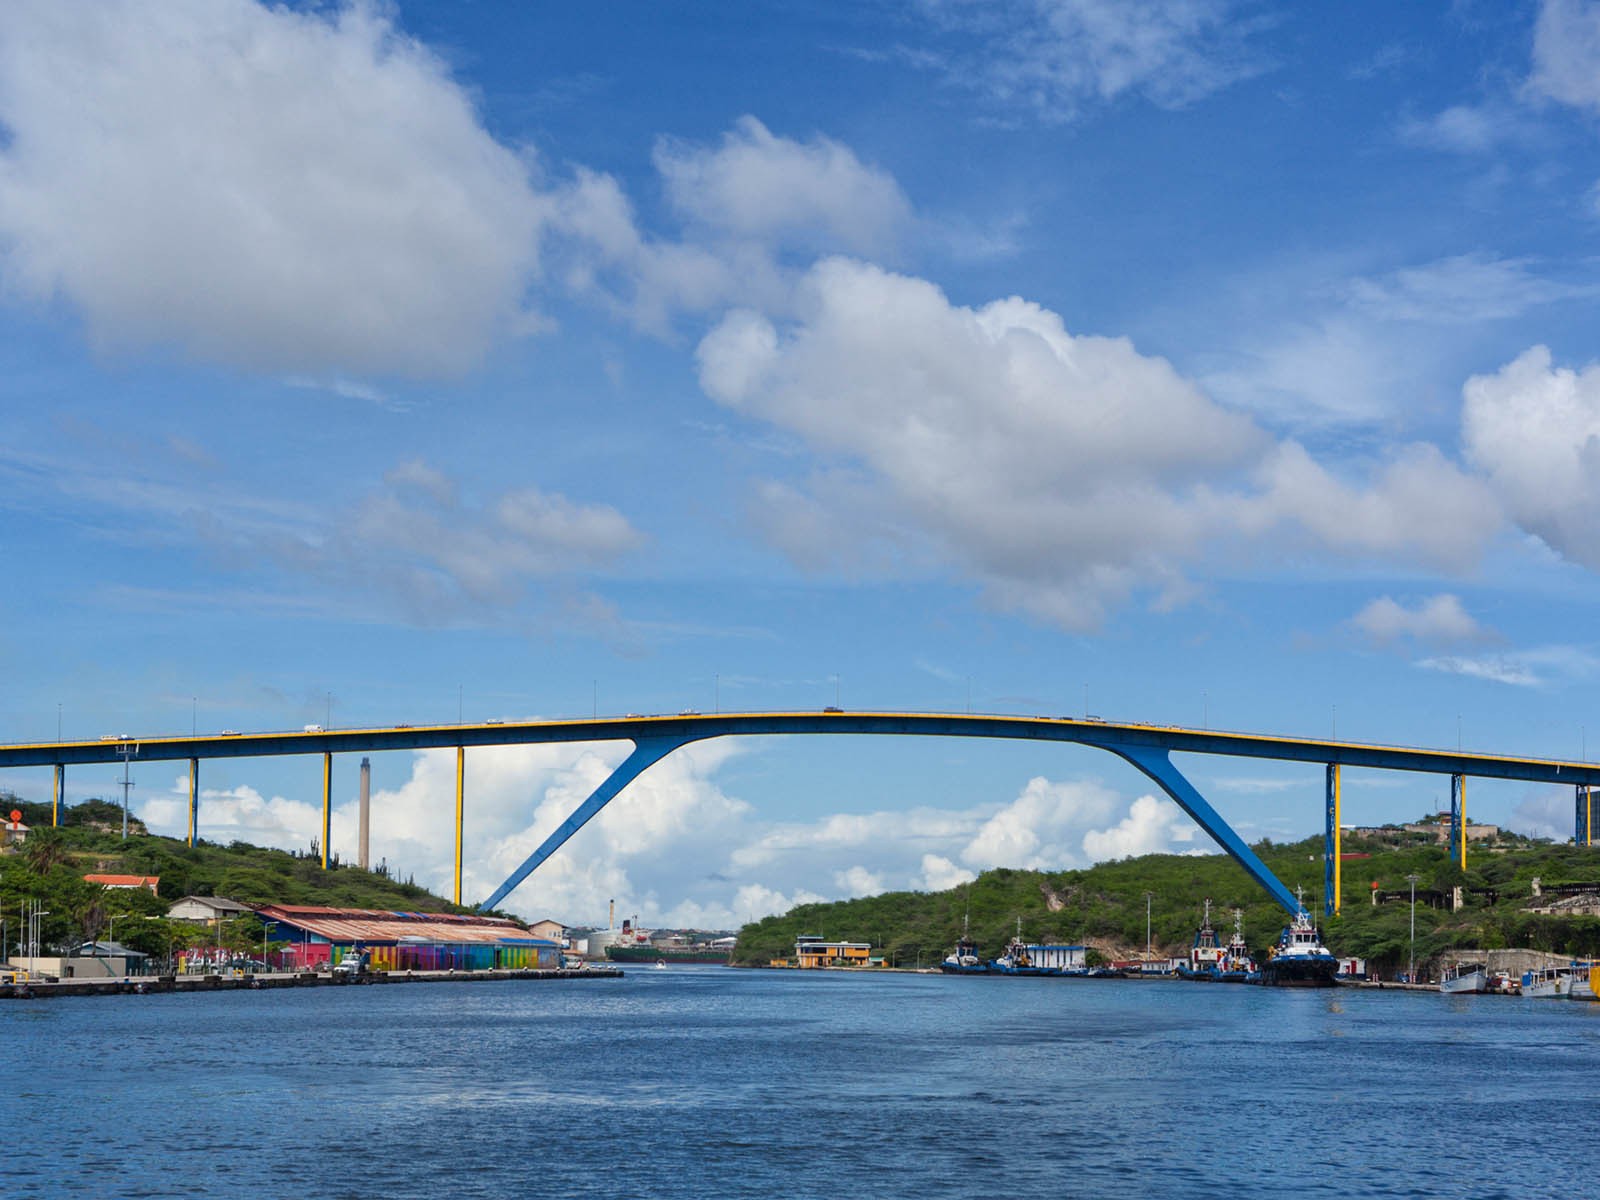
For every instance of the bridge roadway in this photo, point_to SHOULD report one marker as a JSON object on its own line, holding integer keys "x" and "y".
{"x": 1147, "y": 747}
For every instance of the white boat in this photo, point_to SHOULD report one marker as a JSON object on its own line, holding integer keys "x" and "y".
{"x": 1583, "y": 974}
{"x": 1547, "y": 983}
{"x": 1464, "y": 979}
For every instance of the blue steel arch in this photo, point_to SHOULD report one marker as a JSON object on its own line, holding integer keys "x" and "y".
{"x": 1146, "y": 746}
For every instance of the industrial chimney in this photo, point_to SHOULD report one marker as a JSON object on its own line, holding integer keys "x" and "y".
{"x": 366, "y": 809}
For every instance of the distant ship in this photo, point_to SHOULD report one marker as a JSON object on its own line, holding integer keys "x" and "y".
{"x": 1300, "y": 959}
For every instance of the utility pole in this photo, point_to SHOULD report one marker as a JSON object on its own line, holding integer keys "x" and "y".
{"x": 1411, "y": 964}
{"x": 127, "y": 782}
{"x": 1147, "y": 896}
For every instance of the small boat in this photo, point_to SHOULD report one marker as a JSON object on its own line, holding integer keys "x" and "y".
{"x": 1016, "y": 960}
{"x": 1300, "y": 959}
{"x": 1465, "y": 979}
{"x": 964, "y": 960}
{"x": 1205, "y": 954}
{"x": 1583, "y": 980}
{"x": 661, "y": 964}
{"x": 1547, "y": 983}
{"x": 1235, "y": 964}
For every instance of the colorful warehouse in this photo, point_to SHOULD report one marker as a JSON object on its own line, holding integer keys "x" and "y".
{"x": 404, "y": 941}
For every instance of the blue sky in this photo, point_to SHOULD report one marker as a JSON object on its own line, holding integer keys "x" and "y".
{"x": 1189, "y": 361}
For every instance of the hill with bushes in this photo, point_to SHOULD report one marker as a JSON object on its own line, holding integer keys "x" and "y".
{"x": 1103, "y": 907}
{"x": 49, "y": 868}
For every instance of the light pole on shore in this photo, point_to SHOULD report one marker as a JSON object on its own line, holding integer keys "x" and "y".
{"x": 1411, "y": 964}
{"x": 1147, "y": 896}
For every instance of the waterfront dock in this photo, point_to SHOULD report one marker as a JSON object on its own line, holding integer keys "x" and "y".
{"x": 153, "y": 984}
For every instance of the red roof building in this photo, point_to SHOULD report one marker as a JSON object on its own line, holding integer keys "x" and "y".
{"x": 148, "y": 882}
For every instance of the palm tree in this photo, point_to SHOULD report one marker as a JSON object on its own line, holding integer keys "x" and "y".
{"x": 46, "y": 851}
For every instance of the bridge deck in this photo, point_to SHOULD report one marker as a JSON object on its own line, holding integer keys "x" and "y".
{"x": 690, "y": 727}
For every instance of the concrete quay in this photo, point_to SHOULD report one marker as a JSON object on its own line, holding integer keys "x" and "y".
{"x": 153, "y": 984}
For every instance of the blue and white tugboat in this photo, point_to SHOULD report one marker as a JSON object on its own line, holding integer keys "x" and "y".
{"x": 1300, "y": 959}
{"x": 1236, "y": 965}
{"x": 1206, "y": 954}
{"x": 1017, "y": 960}
{"x": 965, "y": 960}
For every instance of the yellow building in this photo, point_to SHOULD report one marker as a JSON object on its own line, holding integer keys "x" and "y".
{"x": 815, "y": 952}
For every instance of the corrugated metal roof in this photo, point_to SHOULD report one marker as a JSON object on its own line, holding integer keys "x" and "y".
{"x": 375, "y": 925}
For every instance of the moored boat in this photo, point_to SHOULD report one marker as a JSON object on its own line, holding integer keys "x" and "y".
{"x": 1236, "y": 965}
{"x": 1205, "y": 954}
{"x": 1464, "y": 979}
{"x": 1300, "y": 959}
{"x": 964, "y": 959}
{"x": 1547, "y": 983}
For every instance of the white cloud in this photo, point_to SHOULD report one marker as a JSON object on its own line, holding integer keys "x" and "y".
{"x": 1440, "y": 619}
{"x": 1534, "y": 429}
{"x": 1044, "y": 827}
{"x": 271, "y": 189}
{"x": 1566, "y": 53}
{"x": 1464, "y": 128}
{"x": 1545, "y": 813}
{"x": 939, "y": 874}
{"x": 858, "y": 881}
{"x": 1064, "y": 472}
{"x": 1151, "y": 827}
{"x": 760, "y": 186}
{"x": 1056, "y": 58}
{"x": 1464, "y": 289}
{"x": 437, "y": 554}
{"x": 1537, "y": 667}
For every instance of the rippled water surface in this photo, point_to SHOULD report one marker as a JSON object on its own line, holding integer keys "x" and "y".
{"x": 712, "y": 1082}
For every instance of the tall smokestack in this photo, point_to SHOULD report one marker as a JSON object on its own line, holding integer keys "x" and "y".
{"x": 366, "y": 809}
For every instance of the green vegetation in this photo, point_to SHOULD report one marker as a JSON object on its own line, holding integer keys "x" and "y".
{"x": 1103, "y": 907}
{"x": 50, "y": 866}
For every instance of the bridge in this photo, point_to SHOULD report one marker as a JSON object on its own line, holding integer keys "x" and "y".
{"x": 1147, "y": 747}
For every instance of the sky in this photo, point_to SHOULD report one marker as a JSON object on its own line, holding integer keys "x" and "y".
{"x": 1203, "y": 362}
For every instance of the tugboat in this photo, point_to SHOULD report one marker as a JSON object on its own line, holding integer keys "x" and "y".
{"x": 1016, "y": 960}
{"x": 1300, "y": 959}
{"x": 965, "y": 960}
{"x": 1205, "y": 955}
{"x": 1236, "y": 965}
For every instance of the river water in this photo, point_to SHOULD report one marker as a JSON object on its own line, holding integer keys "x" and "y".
{"x": 705, "y": 1081}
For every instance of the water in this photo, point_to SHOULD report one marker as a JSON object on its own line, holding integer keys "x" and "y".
{"x": 710, "y": 1082}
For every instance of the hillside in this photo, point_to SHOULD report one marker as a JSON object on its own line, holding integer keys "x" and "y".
{"x": 51, "y": 866}
{"x": 1104, "y": 906}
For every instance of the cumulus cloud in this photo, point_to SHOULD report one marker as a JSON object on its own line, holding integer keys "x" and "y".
{"x": 272, "y": 189}
{"x": 1534, "y": 429}
{"x": 1437, "y": 619}
{"x": 858, "y": 881}
{"x": 939, "y": 874}
{"x": 1151, "y": 827}
{"x": 1055, "y": 59}
{"x": 1064, "y": 471}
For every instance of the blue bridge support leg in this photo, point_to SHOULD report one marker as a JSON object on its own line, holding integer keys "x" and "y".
{"x": 646, "y": 753}
{"x": 1458, "y": 820}
{"x": 1331, "y": 881}
{"x": 1158, "y": 766}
